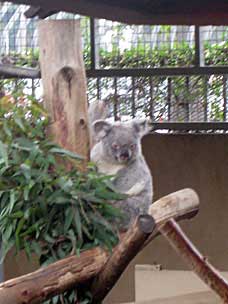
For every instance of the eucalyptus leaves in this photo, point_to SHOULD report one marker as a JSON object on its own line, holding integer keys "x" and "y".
{"x": 43, "y": 208}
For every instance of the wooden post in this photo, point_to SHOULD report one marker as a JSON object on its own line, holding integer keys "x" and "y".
{"x": 64, "y": 83}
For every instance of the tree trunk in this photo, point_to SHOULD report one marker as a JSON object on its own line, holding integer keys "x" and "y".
{"x": 64, "y": 82}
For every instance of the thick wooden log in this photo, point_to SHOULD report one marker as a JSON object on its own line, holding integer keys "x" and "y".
{"x": 196, "y": 261}
{"x": 64, "y": 83}
{"x": 69, "y": 272}
{"x": 186, "y": 201}
{"x": 175, "y": 205}
{"x": 54, "y": 279}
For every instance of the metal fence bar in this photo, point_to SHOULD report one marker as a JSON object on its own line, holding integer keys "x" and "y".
{"x": 33, "y": 88}
{"x": 115, "y": 103}
{"x": 187, "y": 126}
{"x": 92, "y": 44}
{"x": 199, "y": 51}
{"x": 205, "y": 97}
{"x": 151, "y": 84}
{"x": 133, "y": 108}
{"x": 169, "y": 97}
{"x": 138, "y": 72}
{"x": 225, "y": 97}
{"x": 31, "y": 73}
{"x": 98, "y": 88}
{"x": 186, "y": 102}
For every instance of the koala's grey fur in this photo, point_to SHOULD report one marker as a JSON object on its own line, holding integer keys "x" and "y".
{"x": 117, "y": 151}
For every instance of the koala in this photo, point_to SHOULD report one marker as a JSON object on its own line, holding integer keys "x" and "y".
{"x": 117, "y": 151}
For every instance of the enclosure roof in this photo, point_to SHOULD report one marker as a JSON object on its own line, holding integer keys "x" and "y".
{"x": 198, "y": 12}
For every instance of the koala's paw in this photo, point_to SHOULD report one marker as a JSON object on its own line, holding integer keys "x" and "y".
{"x": 136, "y": 189}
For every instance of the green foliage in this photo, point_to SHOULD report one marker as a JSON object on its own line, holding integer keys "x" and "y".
{"x": 142, "y": 56}
{"x": 216, "y": 54}
{"x": 44, "y": 209}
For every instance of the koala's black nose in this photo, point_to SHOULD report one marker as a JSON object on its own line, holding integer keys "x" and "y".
{"x": 125, "y": 155}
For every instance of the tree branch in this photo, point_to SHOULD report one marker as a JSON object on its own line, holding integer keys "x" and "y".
{"x": 171, "y": 206}
{"x": 196, "y": 261}
{"x": 72, "y": 271}
{"x": 54, "y": 279}
{"x": 121, "y": 257}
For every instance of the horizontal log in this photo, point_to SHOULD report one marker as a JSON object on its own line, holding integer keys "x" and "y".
{"x": 46, "y": 282}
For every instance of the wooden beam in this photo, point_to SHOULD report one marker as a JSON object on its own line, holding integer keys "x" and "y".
{"x": 196, "y": 13}
{"x": 38, "y": 11}
{"x": 64, "y": 83}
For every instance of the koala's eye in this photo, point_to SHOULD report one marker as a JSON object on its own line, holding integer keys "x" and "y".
{"x": 115, "y": 146}
{"x": 133, "y": 146}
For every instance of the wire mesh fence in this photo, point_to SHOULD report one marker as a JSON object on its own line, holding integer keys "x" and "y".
{"x": 118, "y": 46}
{"x": 163, "y": 99}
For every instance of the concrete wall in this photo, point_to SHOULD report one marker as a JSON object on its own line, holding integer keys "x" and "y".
{"x": 179, "y": 161}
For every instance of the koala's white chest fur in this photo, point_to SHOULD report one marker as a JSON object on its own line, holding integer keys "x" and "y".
{"x": 104, "y": 166}
{"x": 108, "y": 168}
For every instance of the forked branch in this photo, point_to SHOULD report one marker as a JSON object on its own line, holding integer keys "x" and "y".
{"x": 72, "y": 271}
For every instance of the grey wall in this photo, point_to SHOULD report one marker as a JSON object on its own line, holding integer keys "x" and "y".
{"x": 179, "y": 161}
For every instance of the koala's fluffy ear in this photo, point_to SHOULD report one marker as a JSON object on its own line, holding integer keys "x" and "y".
{"x": 142, "y": 127}
{"x": 101, "y": 128}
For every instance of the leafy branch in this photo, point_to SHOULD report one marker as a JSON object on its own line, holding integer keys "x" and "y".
{"x": 44, "y": 208}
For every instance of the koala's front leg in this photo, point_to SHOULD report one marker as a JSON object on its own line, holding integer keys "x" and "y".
{"x": 136, "y": 189}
